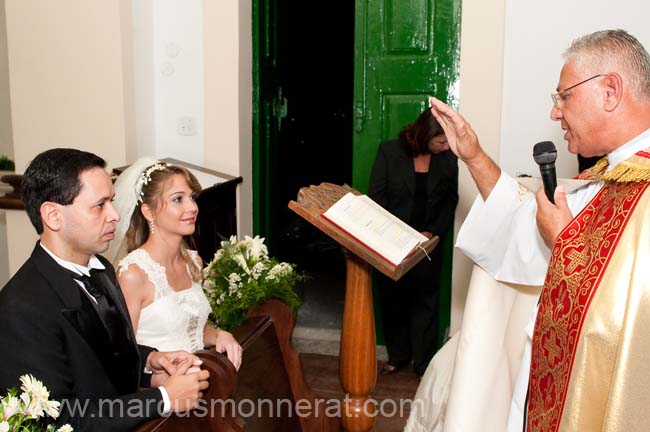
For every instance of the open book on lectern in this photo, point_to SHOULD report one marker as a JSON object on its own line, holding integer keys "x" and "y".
{"x": 379, "y": 230}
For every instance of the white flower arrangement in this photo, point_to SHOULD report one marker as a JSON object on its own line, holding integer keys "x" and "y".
{"x": 22, "y": 413}
{"x": 243, "y": 276}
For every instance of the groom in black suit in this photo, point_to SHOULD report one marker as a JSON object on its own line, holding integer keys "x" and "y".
{"x": 63, "y": 318}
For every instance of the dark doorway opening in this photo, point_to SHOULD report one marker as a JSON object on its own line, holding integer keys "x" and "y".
{"x": 315, "y": 71}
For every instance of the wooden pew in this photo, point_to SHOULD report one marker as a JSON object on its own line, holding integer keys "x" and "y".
{"x": 271, "y": 371}
{"x": 223, "y": 379}
{"x": 284, "y": 321}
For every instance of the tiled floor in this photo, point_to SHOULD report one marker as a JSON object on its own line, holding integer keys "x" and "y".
{"x": 322, "y": 375}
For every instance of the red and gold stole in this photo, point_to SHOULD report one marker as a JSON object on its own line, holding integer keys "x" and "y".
{"x": 578, "y": 261}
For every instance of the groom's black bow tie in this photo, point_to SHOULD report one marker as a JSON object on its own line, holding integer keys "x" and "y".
{"x": 95, "y": 285}
{"x": 95, "y": 289}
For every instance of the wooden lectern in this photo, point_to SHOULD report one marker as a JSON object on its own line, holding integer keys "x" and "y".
{"x": 358, "y": 358}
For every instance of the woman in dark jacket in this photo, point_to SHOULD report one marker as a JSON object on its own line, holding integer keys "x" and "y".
{"x": 416, "y": 179}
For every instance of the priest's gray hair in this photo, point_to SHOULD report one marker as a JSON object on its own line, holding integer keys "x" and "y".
{"x": 608, "y": 51}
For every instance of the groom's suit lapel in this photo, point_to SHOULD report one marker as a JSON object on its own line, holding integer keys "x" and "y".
{"x": 83, "y": 319}
{"x": 113, "y": 290}
{"x": 78, "y": 310}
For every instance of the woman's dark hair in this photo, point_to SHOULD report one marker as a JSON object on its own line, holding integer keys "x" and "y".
{"x": 54, "y": 176}
{"x": 418, "y": 134}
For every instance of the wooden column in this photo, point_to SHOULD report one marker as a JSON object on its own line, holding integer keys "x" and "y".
{"x": 358, "y": 360}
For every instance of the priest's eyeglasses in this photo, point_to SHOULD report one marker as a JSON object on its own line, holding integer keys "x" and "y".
{"x": 558, "y": 98}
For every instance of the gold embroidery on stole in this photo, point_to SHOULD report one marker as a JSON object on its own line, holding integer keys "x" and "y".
{"x": 579, "y": 258}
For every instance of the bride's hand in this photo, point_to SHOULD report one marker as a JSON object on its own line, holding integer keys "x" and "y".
{"x": 226, "y": 343}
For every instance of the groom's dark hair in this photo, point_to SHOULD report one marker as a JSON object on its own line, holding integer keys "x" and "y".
{"x": 54, "y": 176}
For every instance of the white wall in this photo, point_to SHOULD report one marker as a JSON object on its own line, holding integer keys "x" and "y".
{"x": 168, "y": 74}
{"x": 6, "y": 138}
{"x": 144, "y": 88}
{"x": 536, "y": 34}
{"x": 228, "y": 97}
{"x": 66, "y": 77}
{"x": 178, "y": 78}
{"x": 193, "y": 60}
{"x": 481, "y": 69}
{"x": 245, "y": 87}
{"x": 67, "y": 88}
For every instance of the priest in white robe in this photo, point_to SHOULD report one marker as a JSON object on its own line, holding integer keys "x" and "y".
{"x": 593, "y": 307}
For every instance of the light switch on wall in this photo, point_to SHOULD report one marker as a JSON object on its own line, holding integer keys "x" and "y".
{"x": 186, "y": 126}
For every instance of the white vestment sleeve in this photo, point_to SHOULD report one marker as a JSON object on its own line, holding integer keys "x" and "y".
{"x": 500, "y": 235}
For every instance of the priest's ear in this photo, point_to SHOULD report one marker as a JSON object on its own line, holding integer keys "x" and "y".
{"x": 613, "y": 91}
{"x": 51, "y": 216}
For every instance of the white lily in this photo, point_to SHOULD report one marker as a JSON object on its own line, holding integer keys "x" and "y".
{"x": 241, "y": 261}
{"x": 257, "y": 248}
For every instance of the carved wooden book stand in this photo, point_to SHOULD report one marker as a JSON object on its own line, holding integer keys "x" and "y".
{"x": 358, "y": 358}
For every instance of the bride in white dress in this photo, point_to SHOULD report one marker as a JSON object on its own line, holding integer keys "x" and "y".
{"x": 160, "y": 277}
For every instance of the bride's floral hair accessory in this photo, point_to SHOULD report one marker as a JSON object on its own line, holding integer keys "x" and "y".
{"x": 145, "y": 178}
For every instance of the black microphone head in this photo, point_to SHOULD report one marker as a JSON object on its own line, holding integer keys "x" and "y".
{"x": 544, "y": 152}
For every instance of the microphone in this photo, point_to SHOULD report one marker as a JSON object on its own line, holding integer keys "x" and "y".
{"x": 545, "y": 154}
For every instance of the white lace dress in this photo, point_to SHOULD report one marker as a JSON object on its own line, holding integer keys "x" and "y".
{"x": 175, "y": 320}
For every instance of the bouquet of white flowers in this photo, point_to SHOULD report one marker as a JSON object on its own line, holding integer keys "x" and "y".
{"x": 242, "y": 276}
{"x": 22, "y": 413}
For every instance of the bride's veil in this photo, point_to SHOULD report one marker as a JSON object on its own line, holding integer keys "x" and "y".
{"x": 126, "y": 200}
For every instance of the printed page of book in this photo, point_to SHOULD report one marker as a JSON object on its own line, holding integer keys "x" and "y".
{"x": 375, "y": 227}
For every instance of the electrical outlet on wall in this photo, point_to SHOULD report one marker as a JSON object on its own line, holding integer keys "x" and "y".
{"x": 186, "y": 125}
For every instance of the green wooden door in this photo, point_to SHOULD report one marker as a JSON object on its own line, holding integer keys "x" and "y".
{"x": 269, "y": 108}
{"x": 405, "y": 51}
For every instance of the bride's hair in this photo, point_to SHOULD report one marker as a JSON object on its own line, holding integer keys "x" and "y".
{"x": 154, "y": 178}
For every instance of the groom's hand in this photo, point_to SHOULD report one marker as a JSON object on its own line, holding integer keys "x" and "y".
{"x": 165, "y": 364}
{"x": 185, "y": 389}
